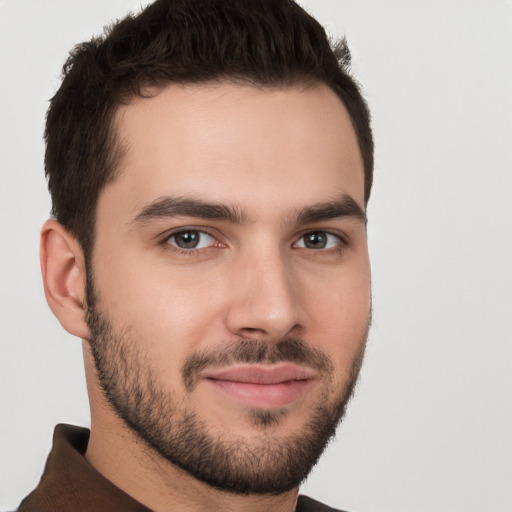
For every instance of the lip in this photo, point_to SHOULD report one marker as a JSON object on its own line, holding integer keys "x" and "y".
{"x": 262, "y": 386}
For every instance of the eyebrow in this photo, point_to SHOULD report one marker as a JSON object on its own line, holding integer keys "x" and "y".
{"x": 170, "y": 206}
{"x": 166, "y": 207}
{"x": 344, "y": 206}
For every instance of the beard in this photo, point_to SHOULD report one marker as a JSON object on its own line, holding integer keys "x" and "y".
{"x": 263, "y": 463}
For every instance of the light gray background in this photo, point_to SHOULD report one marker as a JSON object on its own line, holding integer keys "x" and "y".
{"x": 430, "y": 428}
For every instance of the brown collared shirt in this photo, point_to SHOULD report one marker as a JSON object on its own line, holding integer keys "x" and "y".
{"x": 70, "y": 484}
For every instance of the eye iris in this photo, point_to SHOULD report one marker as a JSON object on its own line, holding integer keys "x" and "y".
{"x": 315, "y": 240}
{"x": 187, "y": 239}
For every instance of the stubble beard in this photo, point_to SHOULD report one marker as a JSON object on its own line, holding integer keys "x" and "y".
{"x": 265, "y": 463}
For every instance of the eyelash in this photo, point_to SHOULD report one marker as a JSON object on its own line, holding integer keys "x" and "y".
{"x": 192, "y": 251}
{"x": 340, "y": 247}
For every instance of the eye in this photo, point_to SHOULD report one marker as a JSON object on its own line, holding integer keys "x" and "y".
{"x": 318, "y": 240}
{"x": 191, "y": 239}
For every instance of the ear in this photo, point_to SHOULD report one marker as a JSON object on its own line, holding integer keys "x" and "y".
{"x": 63, "y": 269}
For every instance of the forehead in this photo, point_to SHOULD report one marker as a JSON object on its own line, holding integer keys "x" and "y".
{"x": 236, "y": 143}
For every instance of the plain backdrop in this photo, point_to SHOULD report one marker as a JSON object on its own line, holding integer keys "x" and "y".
{"x": 430, "y": 427}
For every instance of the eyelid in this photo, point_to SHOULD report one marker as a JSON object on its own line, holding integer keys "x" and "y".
{"x": 174, "y": 231}
{"x": 210, "y": 240}
{"x": 164, "y": 239}
{"x": 342, "y": 238}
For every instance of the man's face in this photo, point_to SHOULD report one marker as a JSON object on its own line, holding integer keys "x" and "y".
{"x": 230, "y": 286}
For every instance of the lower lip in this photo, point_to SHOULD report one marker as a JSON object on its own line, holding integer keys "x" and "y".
{"x": 263, "y": 395}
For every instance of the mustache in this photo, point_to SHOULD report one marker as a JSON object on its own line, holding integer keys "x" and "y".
{"x": 292, "y": 350}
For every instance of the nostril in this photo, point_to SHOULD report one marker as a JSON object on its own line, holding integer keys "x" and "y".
{"x": 252, "y": 330}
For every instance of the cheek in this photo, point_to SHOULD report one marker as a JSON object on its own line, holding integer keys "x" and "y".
{"x": 339, "y": 313}
{"x": 172, "y": 310}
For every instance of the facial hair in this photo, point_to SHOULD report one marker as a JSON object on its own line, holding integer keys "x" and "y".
{"x": 263, "y": 464}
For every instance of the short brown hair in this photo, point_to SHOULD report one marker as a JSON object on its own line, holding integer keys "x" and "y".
{"x": 270, "y": 43}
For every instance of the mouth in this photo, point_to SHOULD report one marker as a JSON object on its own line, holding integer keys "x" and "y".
{"x": 262, "y": 386}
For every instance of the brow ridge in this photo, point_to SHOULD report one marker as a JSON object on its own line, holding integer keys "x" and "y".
{"x": 171, "y": 206}
{"x": 344, "y": 206}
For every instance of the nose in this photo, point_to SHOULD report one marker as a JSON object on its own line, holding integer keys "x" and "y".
{"x": 266, "y": 301}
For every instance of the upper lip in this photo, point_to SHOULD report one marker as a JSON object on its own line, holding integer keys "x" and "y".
{"x": 261, "y": 374}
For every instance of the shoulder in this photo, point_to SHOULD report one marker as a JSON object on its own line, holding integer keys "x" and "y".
{"x": 305, "y": 504}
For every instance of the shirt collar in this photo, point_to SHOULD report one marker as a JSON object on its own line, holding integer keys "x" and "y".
{"x": 69, "y": 482}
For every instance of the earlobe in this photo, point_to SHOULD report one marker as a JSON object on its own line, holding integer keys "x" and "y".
{"x": 63, "y": 270}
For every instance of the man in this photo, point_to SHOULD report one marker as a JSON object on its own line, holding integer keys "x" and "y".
{"x": 209, "y": 164}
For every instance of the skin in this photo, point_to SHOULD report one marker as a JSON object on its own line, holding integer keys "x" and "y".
{"x": 269, "y": 153}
